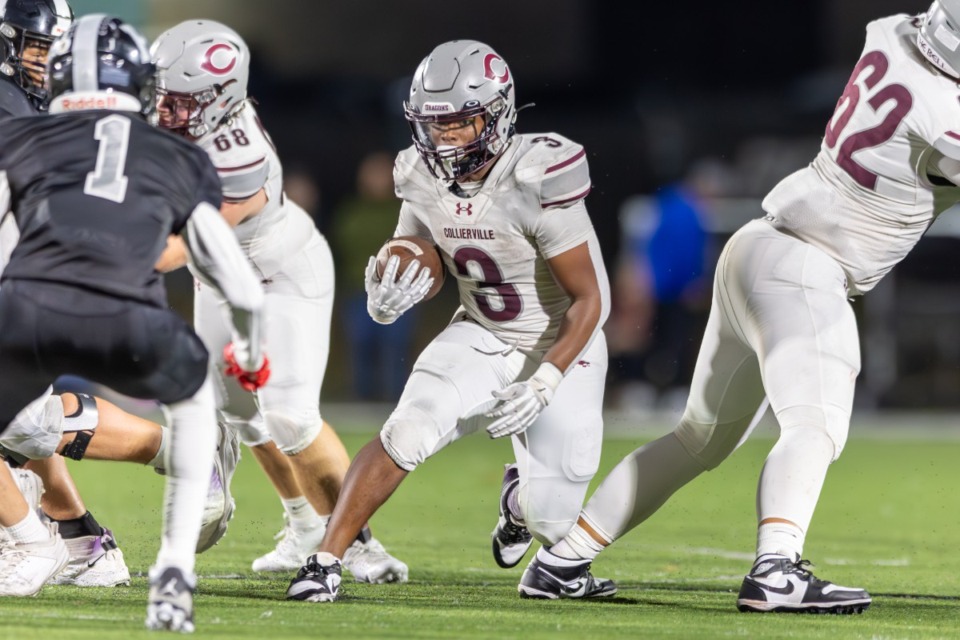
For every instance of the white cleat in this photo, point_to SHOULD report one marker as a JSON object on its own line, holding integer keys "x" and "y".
{"x": 26, "y": 567}
{"x": 170, "y": 602}
{"x": 318, "y": 580}
{"x": 220, "y": 505}
{"x": 370, "y": 562}
{"x": 95, "y": 561}
{"x": 294, "y": 545}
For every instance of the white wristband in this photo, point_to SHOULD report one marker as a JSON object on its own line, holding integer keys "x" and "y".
{"x": 549, "y": 375}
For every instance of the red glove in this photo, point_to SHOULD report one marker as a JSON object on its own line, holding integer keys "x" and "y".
{"x": 249, "y": 380}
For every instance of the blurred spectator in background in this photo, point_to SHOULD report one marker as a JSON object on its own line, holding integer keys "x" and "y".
{"x": 362, "y": 223}
{"x": 299, "y": 186}
{"x": 661, "y": 287}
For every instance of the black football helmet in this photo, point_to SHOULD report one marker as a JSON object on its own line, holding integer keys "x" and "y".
{"x": 27, "y": 28}
{"x": 101, "y": 62}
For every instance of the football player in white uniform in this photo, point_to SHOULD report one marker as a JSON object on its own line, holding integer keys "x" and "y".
{"x": 524, "y": 355}
{"x": 203, "y": 67}
{"x": 781, "y": 324}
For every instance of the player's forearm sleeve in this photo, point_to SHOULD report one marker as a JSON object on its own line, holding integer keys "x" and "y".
{"x": 217, "y": 256}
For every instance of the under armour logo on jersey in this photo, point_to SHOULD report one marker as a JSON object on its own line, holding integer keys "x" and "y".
{"x": 464, "y": 208}
{"x": 494, "y": 68}
{"x": 220, "y": 59}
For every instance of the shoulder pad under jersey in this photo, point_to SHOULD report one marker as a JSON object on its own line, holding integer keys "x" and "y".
{"x": 555, "y": 166}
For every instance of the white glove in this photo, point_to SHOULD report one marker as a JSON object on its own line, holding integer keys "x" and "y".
{"x": 522, "y": 402}
{"x": 387, "y": 297}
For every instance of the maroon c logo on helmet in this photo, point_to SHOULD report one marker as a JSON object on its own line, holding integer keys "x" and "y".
{"x": 503, "y": 75}
{"x": 209, "y": 65}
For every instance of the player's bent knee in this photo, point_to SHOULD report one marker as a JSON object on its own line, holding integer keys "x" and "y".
{"x": 37, "y": 431}
{"x": 550, "y": 532}
{"x": 252, "y": 433}
{"x": 409, "y": 436}
{"x": 832, "y": 422}
{"x": 292, "y": 433}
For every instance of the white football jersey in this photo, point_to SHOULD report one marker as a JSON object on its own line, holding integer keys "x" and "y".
{"x": 528, "y": 209}
{"x": 872, "y": 192}
{"x": 247, "y": 161}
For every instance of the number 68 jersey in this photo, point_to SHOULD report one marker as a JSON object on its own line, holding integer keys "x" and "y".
{"x": 873, "y": 190}
{"x": 496, "y": 238}
{"x": 246, "y": 162}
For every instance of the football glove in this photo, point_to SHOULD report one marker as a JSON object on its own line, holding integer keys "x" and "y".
{"x": 249, "y": 380}
{"x": 521, "y": 402}
{"x": 388, "y": 297}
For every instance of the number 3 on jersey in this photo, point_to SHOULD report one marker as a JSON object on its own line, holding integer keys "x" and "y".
{"x": 107, "y": 180}
{"x": 871, "y": 69}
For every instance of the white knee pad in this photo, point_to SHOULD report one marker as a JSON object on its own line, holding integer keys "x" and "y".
{"x": 410, "y": 436}
{"x": 833, "y": 421}
{"x": 292, "y": 434}
{"x": 36, "y": 431}
{"x": 252, "y": 432}
{"x": 424, "y": 422}
{"x": 549, "y": 533}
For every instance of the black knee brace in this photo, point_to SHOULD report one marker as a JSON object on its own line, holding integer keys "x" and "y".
{"x": 83, "y": 423}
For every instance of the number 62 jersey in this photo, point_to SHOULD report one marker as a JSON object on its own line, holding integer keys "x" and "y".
{"x": 495, "y": 238}
{"x": 873, "y": 190}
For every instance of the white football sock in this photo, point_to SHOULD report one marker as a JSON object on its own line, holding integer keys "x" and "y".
{"x": 557, "y": 561}
{"x": 157, "y": 461}
{"x": 780, "y": 539}
{"x": 30, "y": 529}
{"x": 790, "y": 485}
{"x": 193, "y": 444}
{"x": 639, "y": 485}
{"x": 577, "y": 544}
{"x": 299, "y": 511}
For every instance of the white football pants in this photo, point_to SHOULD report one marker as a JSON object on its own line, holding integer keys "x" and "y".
{"x": 455, "y": 377}
{"x": 780, "y": 325}
{"x": 297, "y": 312}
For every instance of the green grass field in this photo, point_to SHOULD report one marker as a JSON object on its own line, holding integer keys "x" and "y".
{"x": 888, "y": 520}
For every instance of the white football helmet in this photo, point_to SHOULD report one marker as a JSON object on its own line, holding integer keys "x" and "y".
{"x": 460, "y": 80}
{"x": 939, "y": 36}
{"x": 202, "y": 72}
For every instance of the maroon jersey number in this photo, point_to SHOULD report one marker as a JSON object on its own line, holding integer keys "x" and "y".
{"x": 872, "y": 67}
{"x": 492, "y": 279}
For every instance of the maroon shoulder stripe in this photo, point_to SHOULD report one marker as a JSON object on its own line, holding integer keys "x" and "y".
{"x": 955, "y": 136}
{"x": 566, "y": 162}
{"x": 243, "y": 166}
{"x": 580, "y": 196}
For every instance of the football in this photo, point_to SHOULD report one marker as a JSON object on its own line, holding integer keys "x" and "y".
{"x": 409, "y": 248}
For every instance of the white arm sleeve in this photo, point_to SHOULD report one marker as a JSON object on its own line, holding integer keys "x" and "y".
{"x": 216, "y": 255}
